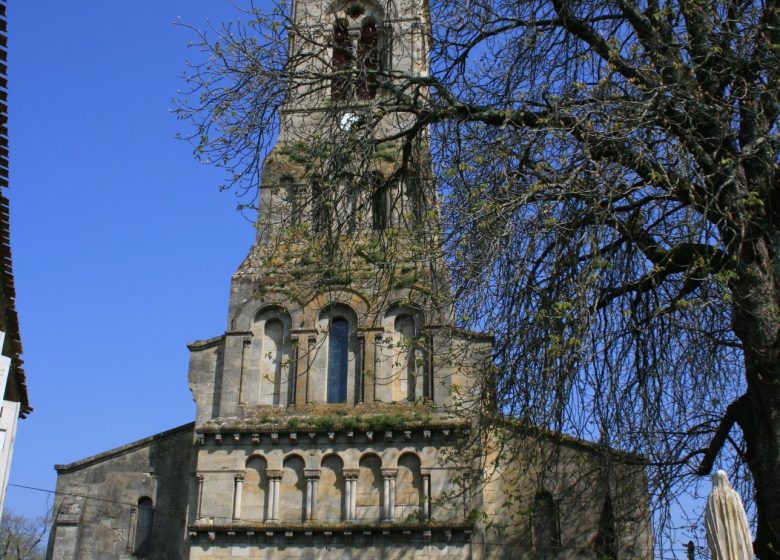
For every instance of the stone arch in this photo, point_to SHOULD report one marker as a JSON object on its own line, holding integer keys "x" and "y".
{"x": 255, "y": 489}
{"x": 271, "y": 360}
{"x": 330, "y": 499}
{"x": 243, "y": 318}
{"x": 357, "y": 302}
{"x": 292, "y": 489}
{"x": 408, "y": 486}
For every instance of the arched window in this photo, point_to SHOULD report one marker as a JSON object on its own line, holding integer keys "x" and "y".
{"x": 341, "y": 62}
{"x": 368, "y": 60}
{"x": 338, "y": 360}
{"x": 144, "y": 524}
{"x": 546, "y": 534}
{"x": 357, "y": 51}
{"x": 272, "y": 381}
{"x": 272, "y": 361}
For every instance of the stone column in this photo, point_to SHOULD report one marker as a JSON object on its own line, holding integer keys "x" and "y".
{"x": 369, "y": 370}
{"x": 377, "y": 356}
{"x": 244, "y": 358}
{"x": 131, "y": 529}
{"x": 312, "y": 488}
{"x": 389, "y": 477}
{"x": 466, "y": 493}
{"x": 301, "y": 353}
{"x": 292, "y": 388}
{"x": 425, "y": 506}
{"x": 360, "y": 370}
{"x": 274, "y": 483}
{"x": 310, "y": 353}
{"x": 350, "y": 482}
{"x": 238, "y": 489}
{"x": 199, "y": 506}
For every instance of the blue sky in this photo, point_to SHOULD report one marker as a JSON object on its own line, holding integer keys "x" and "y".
{"x": 123, "y": 247}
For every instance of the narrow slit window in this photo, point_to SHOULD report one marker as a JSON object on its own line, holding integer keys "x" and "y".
{"x": 144, "y": 524}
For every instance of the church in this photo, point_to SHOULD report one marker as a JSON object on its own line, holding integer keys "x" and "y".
{"x": 334, "y": 417}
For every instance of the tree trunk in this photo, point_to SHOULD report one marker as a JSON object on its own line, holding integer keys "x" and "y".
{"x": 756, "y": 323}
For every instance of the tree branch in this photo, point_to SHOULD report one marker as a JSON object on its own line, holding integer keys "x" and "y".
{"x": 735, "y": 412}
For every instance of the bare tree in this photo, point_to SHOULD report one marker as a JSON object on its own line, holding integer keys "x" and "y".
{"x": 21, "y": 538}
{"x": 608, "y": 179}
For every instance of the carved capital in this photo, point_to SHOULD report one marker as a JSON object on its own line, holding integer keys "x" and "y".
{"x": 388, "y": 472}
{"x": 312, "y": 473}
{"x": 274, "y": 473}
{"x": 351, "y": 474}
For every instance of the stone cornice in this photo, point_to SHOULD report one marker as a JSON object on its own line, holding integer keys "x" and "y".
{"x": 242, "y": 433}
{"x": 435, "y": 531}
{"x": 301, "y": 426}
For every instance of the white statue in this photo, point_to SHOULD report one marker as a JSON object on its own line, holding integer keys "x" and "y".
{"x": 728, "y": 533}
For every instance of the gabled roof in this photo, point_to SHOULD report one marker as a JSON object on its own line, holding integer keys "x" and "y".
{"x": 117, "y": 451}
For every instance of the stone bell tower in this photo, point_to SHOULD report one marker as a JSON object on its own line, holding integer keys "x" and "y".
{"x": 330, "y": 412}
{"x": 325, "y": 414}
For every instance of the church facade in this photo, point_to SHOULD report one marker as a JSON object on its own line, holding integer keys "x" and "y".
{"x": 330, "y": 417}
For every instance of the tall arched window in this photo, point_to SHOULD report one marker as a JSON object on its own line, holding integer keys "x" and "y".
{"x": 546, "y": 534}
{"x": 338, "y": 360}
{"x": 368, "y": 60}
{"x": 272, "y": 361}
{"x": 342, "y": 61}
{"x": 144, "y": 524}
{"x": 269, "y": 377}
{"x": 357, "y": 51}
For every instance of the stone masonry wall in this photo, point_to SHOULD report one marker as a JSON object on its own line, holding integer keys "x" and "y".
{"x": 96, "y": 504}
